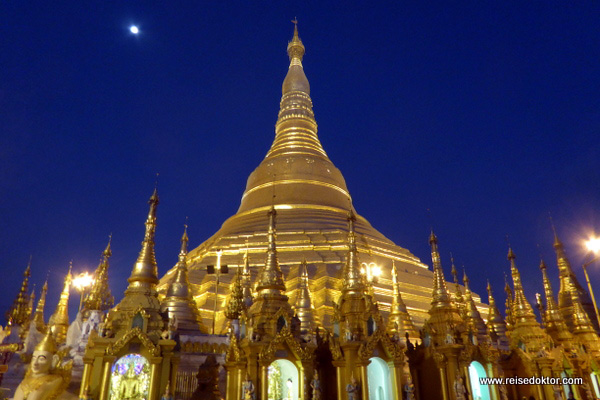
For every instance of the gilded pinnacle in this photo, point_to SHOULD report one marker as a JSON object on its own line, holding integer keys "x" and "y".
{"x": 295, "y": 47}
{"x": 270, "y": 278}
{"x": 145, "y": 270}
{"x": 100, "y": 297}
{"x": 352, "y": 279}
{"x": 440, "y": 297}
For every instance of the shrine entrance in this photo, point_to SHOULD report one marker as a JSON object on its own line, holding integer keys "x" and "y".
{"x": 130, "y": 378}
{"x": 379, "y": 376}
{"x": 479, "y": 392}
{"x": 284, "y": 382}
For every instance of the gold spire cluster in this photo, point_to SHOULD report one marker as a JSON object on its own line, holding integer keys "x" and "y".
{"x": 555, "y": 324}
{"x": 100, "y": 298}
{"x": 19, "y": 313}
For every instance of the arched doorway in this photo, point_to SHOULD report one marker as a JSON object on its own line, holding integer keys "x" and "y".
{"x": 479, "y": 392}
{"x": 130, "y": 378}
{"x": 378, "y": 373}
{"x": 284, "y": 382}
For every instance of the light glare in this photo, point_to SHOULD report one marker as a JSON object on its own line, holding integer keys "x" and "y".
{"x": 83, "y": 281}
{"x": 134, "y": 29}
{"x": 593, "y": 245}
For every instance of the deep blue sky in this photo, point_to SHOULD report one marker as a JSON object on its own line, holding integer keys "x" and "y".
{"x": 485, "y": 113}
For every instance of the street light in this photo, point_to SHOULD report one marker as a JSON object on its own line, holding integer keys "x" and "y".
{"x": 593, "y": 246}
{"x": 372, "y": 271}
{"x": 81, "y": 282}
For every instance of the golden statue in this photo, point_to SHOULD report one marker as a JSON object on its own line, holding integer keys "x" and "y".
{"x": 45, "y": 378}
{"x": 130, "y": 385}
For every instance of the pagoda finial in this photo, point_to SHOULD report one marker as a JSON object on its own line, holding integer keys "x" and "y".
{"x": 295, "y": 47}
{"x": 179, "y": 286}
{"x": 352, "y": 280}
{"x": 100, "y": 297}
{"x": 440, "y": 297}
{"x": 59, "y": 321}
{"x": 270, "y": 278}
{"x": 145, "y": 270}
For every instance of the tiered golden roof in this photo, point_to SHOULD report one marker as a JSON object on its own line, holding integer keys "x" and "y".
{"x": 303, "y": 305}
{"x": 495, "y": 323}
{"x": 399, "y": 321}
{"x": 472, "y": 316}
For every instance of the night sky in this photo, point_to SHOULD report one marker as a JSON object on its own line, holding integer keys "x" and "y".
{"x": 485, "y": 113}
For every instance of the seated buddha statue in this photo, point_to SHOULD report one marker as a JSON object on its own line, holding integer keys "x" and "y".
{"x": 44, "y": 379}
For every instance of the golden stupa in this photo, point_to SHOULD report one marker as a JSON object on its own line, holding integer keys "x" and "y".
{"x": 312, "y": 202}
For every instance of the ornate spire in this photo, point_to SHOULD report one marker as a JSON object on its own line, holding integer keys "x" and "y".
{"x": 311, "y": 179}
{"x": 510, "y": 321}
{"x": 270, "y": 279}
{"x": 304, "y": 308}
{"x": 495, "y": 322}
{"x": 38, "y": 317}
{"x": 352, "y": 281}
{"x": 444, "y": 320}
{"x": 399, "y": 320}
{"x": 141, "y": 298}
{"x": 555, "y": 324}
{"x": 31, "y": 302}
{"x": 59, "y": 321}
{"x": 521, "y": 309}
{"x": 247, "y": 282}
{"x": 570, "y": 287}
{"x": 472, "y": 315}
{"x": 145, "y": 270}
{"x": 179, "y": 303}
{"x": 100, "y": 298}
{"x": 440, "y": 297}
{"x": 235, "y": 301}
{"x": 460, "y": 301}
{"x": 526, "y": 329}
{"x": 19, "y": 314}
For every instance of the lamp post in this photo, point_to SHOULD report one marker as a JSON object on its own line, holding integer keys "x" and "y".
{"x": 217, "y": 271}
{"x": 593, "y": 246}
{"x": 81, "y": 282}
{"x": 371, "y": 271}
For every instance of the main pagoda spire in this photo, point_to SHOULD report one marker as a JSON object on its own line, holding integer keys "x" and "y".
{"x": 296, "y": 167}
